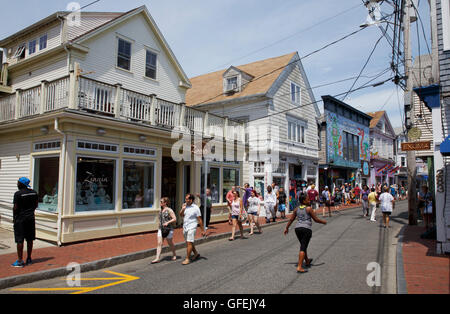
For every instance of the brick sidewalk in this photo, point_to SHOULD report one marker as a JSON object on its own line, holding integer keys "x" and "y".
{"x": 59, "y": 257}
{"x": 425, "y": 271}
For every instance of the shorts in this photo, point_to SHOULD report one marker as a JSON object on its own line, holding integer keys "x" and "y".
{"x": 282, "y": 207}
{"x": 253, "y": 213}
{"x": 235, "y": 217}
{"x": 170, "y": 236}
{"x": 428, "y": 209}
{"x": 189, "y": 235}
{"x": 387, "y": 213}
{"x": 304, "y": 236}
{"x": 25, "y": 229}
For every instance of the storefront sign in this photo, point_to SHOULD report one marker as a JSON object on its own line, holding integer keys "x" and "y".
{"x": 416, "y": 146}
{"x": 365, "y": 169}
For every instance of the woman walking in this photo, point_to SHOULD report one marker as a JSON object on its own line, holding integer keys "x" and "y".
{"x": 327, "y": 198}
{"x": 166, "y": 219}
{"x": 373, "y": 204}
{"x": 303, "y": 230}
{"x": 270, "y": 201}
{"x": 254, "y": 209}
{"x": 365, "y": 200}
{"x": 237, "y": 208}
{"x": 387, "y": 203}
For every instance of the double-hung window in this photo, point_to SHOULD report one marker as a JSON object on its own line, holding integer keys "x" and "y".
{"x": 295, "y": 94}
{"x": 124, "y": 54}
{"x": 296, "y": 132}
{"x": 43, "y": 42}
{"x": 150, "y": 65}
{"x": 32, "y": 47}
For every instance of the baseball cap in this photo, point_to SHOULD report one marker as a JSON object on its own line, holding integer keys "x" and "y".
{"x": 25, "y": 181}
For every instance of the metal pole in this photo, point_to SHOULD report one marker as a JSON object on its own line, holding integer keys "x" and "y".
{"x": 411, "y": 155}
{"x": 205, "y": 201}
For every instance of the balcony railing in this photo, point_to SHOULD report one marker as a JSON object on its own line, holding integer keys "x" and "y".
{"x": 114, "y": 101}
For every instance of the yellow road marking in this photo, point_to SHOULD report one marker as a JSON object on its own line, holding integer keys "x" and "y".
{"x": 122, "y": 278}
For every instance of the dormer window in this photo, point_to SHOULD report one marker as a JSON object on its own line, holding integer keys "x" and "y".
{"x": 232, "y": 83}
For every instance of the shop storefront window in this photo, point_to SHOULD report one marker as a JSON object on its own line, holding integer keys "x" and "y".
{"x": 95, "y": 188}
{"x": 138, "y": 185}
{"x": 259, "y": 186}
{"x": 213, "y": 183}
{"x": 46, "y": 174}
{"x": 230, "y": 179}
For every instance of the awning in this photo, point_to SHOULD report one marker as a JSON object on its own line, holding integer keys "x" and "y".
{"x": 445, "y": 147}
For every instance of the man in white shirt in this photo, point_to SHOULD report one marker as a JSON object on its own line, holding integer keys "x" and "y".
{"x": 191, "y": 217}
{"x": 387, "y": 203}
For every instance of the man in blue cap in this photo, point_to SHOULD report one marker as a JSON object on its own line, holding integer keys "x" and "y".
{"x": 25, "y": 203}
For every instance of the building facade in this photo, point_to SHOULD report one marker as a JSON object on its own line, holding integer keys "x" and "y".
{"x": 274, "y": 99}
{"x": 401, "y": 172}
{"x": 345, "y": 153}
{"x": 91, "y": 114}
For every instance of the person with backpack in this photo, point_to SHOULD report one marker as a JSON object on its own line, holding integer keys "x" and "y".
{"x": 304, "y": 215}
{"x": 327, "y": 198}
{"x": 365, "y": 200}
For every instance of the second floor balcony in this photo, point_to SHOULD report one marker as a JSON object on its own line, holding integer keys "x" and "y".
{"x": 88, "y": 95}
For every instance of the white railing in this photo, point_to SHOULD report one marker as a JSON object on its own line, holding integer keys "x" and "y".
{"x": 194, "y": 119}
{"x": 7, "y": 108}
{"x": 96, "y": 96}
{"x": 30, "y": 101}
{"x": 57, "y": 94}
{"x": 135, "y": 106}
{"x": 113, "y": 100}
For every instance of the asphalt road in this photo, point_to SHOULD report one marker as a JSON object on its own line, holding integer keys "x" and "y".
{"x": 266, "y": 263}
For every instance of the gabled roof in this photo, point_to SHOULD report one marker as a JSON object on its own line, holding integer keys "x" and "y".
{"x": 377, "y": 117}
{"x": 208, "y": 88}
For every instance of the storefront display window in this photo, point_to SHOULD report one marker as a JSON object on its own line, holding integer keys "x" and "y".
{"x": 259, "y": 186}
{"x": 213, "y": 183}
{"x": 230, "y": 179}
{"x": 138, "y": 185}
{"x": 95, "y": 187}
{"x": 46, "y": 174}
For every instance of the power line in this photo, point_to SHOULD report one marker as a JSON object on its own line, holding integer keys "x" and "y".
{"x": 290, "y": 63}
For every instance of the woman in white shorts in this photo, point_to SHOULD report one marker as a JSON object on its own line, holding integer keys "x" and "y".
{"x": 166, "y": 219}
{"x": 270, "y": 201}
{"x": 254, "y": 208}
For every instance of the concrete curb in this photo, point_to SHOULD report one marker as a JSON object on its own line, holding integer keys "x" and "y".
{"x": 108, "y": 262}
{"x": 401, "y": 281}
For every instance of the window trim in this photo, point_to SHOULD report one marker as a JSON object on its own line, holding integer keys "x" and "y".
{"x": 155, "y": 201}
{"x": 118, "y": 39}
{"x": 116, "y": 187}
{"x": 40, "y": 42}
{"x": 445, "y": 8}
{"x": 29, "y": 46}
{"x": 297, "y": 93}
{"x": 147, "y": 50}
{"x": 33, "y": 169}
{"x": 97, "y": 150}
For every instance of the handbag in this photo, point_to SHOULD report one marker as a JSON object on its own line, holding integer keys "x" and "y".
{"x": 164, "y": 230}
{"x": 244, "y": 216}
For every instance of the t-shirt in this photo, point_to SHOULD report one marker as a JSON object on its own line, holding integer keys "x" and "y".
{"x": 26, "y": 200}
{"x": 312, "y": 194}
{"x": 282, "y": 198}
{"x": 326, "y": 195}
{"x": 372, "y": 198}
{"x": 247, "y": 194}
{"x": 357, "y": 190}
{"x": 365, "y": 195}
{"x": 191, "y": 214}
{"x": 230, "y": 197}
{"x": 253, "y": 203}
{"x": 386, "y": 202}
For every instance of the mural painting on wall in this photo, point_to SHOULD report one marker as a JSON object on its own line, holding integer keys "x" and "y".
{"x": 337, "y": 125}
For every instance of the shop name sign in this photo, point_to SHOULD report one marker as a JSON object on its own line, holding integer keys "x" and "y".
{"x": 416, "y": 146}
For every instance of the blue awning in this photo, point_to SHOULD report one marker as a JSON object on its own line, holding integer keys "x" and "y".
{"x": 430, "y": 95}
{"x": 445, "y": 147}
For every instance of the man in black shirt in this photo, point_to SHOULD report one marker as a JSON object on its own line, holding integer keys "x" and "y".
{"x": 25, "y": 203}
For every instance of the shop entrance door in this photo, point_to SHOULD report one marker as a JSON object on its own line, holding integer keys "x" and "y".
{"x": 169, "y": 182}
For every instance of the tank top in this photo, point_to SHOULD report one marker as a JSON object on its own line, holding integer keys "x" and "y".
{"x": 236, "y": 208}
{"x": 303, "y": 218}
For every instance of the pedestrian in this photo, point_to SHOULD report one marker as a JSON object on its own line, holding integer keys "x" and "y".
{"x": 402, "y": 193}
{"x": 191, "y": 218}
{"x": 347, "y": 193}
{"x": 206, "y": 219}
{"x": 373, "y": 203}
{"x": 304, "y": 213}
{"x": 327, "y": 198}
{"x": 237, "y": 210}
{"x": 247, "y": 191}
{"x": 166, "y": 219}
{"x": 365, "y": 200}
{"x": 313, "y": 196}
{"x": 426, "y": 205}
{"x": 230, "y": 199}
{"x": 357, "y": 192}
{"x": 270, "y": 201}
{"x": 337, "y": 198}
{"x": 387, "y": 203}
{"x": 254, "y": 209}
{"x": 282, "y": 202}
{"x": 25, "y": 203}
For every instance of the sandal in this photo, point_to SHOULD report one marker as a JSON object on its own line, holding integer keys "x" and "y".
{"x": 186, "y": 262}
{"x": 156, "y": 261}
{"x": 231, "y": 239}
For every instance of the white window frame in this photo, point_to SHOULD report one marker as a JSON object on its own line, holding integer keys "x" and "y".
{"x": 40, "y": 42}
{"x": 147, "y": 50}
{"x": 29, "y": 46}
{"x": 116, "y": 187}
{"x": 118, "y": 38}
{"x": 139, "y": 154}
{"x": 19, "y": 51}
{"x": 229, "y": 86}
{"x": 445, "y": 10}
{"x": 296, "y": 130}
{"x": 154, "y": 163}
{"x": 46, "y": 149}
{"x": 98, "y": 150}
{"x": 33, "y": 168}
{"x": 296, "y": 93}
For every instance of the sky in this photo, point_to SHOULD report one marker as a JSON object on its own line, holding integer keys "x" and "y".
{"x": 210, "y": 35}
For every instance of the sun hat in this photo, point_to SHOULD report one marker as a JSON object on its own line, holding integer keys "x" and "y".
{"x": 25, "y": 181}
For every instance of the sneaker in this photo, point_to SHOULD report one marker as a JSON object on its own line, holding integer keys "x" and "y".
{"x": 29, "y": 261}
{"x": 18, "y": 264}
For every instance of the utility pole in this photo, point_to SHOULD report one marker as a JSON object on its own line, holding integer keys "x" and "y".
{"x": 409, "y": 107}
